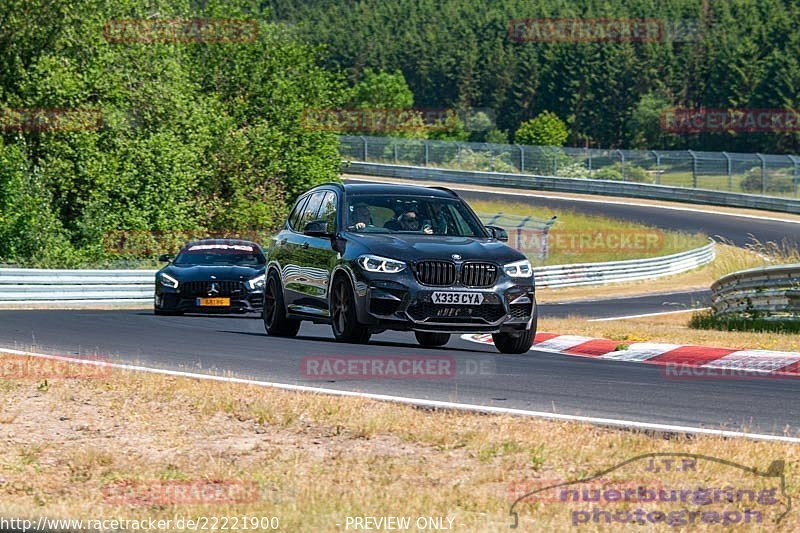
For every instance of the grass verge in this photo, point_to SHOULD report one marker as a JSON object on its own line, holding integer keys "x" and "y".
{"x": 317, "y": 460}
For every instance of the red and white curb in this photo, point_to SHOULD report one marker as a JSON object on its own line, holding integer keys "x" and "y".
{"x": 704, "y": 357}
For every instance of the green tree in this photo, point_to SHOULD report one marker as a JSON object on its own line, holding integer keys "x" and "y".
{"x": 546, "y": 129}
{"x": 382, "y": 90}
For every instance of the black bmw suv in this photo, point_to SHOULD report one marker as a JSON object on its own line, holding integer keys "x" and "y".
{"x": 370, "y": 257}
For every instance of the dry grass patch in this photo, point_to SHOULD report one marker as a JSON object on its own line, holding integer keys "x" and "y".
{"x": 315, "y": 459}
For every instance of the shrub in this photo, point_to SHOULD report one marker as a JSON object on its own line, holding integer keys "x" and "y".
{"x": 776, "y": 183}
{"x": 545, "y": 129}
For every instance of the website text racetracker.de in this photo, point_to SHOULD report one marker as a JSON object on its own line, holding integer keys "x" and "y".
{"x": 200, "y": 523}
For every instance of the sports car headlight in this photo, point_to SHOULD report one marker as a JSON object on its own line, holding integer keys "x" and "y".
{"x": 168, "y": 281}
{"x": 376, "y": 263}
{"x": 257, "y": 282}
{"x": 519, "y": 269}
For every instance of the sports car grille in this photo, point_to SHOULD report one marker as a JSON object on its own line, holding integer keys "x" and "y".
{"x": 442, "y": 273}
{"x": 478, "y": 274}
{"x": 203, "y": 288}
{"x": 478, "y": 314}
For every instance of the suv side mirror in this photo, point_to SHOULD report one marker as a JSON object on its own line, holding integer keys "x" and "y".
{"x": 165, "y": 258}
{"x": 498, "y": 233}
{"x": 316, "y": 228}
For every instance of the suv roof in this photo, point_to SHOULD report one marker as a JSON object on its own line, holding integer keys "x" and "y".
{"x": 391, "y": 188}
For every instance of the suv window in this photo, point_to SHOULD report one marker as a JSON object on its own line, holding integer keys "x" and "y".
{"x": 328, "y": 211}
{"x": 295, "y": 216}
{"x": 310, "y": 210}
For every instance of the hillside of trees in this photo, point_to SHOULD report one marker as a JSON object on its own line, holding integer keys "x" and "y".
{"x": 714, "y": 54}
{"x": 193, "y": 137}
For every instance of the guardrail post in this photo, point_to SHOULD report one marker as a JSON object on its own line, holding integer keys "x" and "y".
{"x": 763, "y": 173}
{"x": 521, "y": 157}
{"x": 796, "y": 179}
{"x": 730, "y": 170}
{"x": 658, "y": 166}
{"x": 364, "y": 140}
{"x": 694, "y": 169}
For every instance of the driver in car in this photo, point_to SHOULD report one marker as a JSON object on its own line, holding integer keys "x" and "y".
{"x": 363, "y": 217}
{"x": 409, "y": 221}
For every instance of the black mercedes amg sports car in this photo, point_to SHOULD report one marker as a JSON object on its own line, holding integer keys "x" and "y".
{"x": 212, "y": 276}
{"x": 370, "y": 257}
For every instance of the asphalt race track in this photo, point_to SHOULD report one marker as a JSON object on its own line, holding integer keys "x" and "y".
{"x": 535, "y": 381}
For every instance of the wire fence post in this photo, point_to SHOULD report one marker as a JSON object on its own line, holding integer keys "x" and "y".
{"x": 521, "y": 158}
{"x": 394, "y": 147}
{"x": 491, "y": 158}
{"x": 425, "y": 143}
{"x": 694, "y": 169}
{"x": 364, "y": 140}
{"x": 796, "y": 179}
{"x": 622, "y": 164}
{"x": 591, "y": 170}
{"x": 730, "y": 170}
{"x": 763, "y": 173}
{"x": 555, "y": 163}
{"x": 658, "y": 166}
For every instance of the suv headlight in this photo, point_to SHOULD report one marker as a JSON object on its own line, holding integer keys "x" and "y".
{"x": 376, "y": 263}
{"x": 519, "y": 269}
{"x": 168, "y": 281}
{"x": 257, "y": 282}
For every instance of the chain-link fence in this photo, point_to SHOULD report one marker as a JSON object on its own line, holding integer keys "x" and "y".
{"x": 527, "y": 234}
{"x": 763, "y": 174}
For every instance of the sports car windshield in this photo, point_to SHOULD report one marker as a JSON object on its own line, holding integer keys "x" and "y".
{"x": 220, "y": 254}
{"x": 423, "y": 215}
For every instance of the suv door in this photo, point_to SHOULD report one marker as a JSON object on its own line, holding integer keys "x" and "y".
{"x": 319, "y": 258}
{"x": 301, "y": 280}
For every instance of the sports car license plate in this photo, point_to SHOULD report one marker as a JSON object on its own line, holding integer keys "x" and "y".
{"x": 458, "y": 298}
{"x": 213, "y": 302}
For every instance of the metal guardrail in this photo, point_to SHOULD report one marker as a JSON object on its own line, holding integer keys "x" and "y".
{"x": 26, "y": 286}
{"x": 576, "y": 185}
{"x": 618, "y": 271}
{"x": 769, "y": 291}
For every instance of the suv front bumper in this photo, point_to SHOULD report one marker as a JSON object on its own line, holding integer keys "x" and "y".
{"x": 404, "y": 303}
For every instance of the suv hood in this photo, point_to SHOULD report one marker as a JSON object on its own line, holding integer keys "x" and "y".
{"x": 411, "y": 247}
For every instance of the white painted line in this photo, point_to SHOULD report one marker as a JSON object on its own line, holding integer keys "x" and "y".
{"x": 647, "y": 314}
{"x": 587, "y": 200}
{"x": 630, "y": 424}
{"x": 640, "y": 351}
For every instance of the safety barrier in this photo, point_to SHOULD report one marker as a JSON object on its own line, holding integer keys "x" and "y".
{"x": 618, "y": 271}
{"x": 768, "y": 291}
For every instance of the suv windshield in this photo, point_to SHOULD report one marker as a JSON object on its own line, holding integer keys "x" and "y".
{"x": 425, "y": 215}
{"x": 220, "y": 254}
